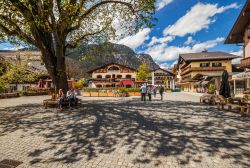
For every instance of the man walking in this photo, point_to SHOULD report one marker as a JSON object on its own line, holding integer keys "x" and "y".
{"x": 143, "y": 92}
{"x": 161, "y": 91}
{"x": 150, "y": 91}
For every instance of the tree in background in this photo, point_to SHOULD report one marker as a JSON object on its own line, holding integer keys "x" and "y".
{"x": 55, "y": 26}
{"x": 142, "y": 72}
{"x": 3, "y": 85}
{"x": 74, "y": 69}
{"x": 20, "y": 74}
{"x": 80, "y": 83}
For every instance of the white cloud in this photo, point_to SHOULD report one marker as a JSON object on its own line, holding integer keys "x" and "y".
{"x": 207, "y": 44}
{"x": 155, "y": 40}
{"x": 190, "y": 40}
{"x": 162, "y": 3}
{"x": 136, "y": 40}
{"x": 163, "y": 52}
{"x": 167, "y": 65}
{"x": 199, "y": 17}
{"x": 238, "y": 53}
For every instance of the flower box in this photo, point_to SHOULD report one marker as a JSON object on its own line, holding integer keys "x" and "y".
{"x": 101, "y": 94}
{"x": 86, "y": 94}
{"x": 94, "y": 94}
{"x": 134, "y": 93}
{"x": 110, "y": 94}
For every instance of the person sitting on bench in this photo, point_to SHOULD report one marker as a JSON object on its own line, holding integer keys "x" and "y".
{"x": 60, "y": 98}
{"x": 71, "y": 96}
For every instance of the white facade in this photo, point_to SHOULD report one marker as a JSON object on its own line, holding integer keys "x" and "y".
{"x": 162, "y": 77}
{"x": 111, "y": 75}
{"x": 20, "y": 87}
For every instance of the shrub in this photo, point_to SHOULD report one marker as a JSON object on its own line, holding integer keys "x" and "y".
{"x": 3, "y": 85}
{"x": 79, "y": 84}
{"x": 211, "y": 88}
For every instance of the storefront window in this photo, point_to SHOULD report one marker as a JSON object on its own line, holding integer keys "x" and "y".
{"x": 248, "y": 83}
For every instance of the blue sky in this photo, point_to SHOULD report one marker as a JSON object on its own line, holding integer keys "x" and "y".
{"x": 185, "y": 26}
{"x": 188, "y": 26}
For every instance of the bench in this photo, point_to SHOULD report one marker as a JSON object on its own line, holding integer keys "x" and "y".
{"x": 53, "y": 102}
{"x": 238, "y": 105}
{"x": 206, "y": 98}
{"x": 219, "y": 101}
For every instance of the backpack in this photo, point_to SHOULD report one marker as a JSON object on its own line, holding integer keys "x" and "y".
{"x": 161, "y": 90}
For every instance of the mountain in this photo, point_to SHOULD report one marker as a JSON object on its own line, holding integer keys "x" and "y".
{"x": 93, "y": 56}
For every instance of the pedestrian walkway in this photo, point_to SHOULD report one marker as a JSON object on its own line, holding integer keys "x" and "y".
{"x": 125, "y": 132}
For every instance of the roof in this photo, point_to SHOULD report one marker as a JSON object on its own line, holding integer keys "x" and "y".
{"x": 206, "y": 56}
{"x": 237, "y": 32}
{"x": 112, "y": 63}
{"x": 162, "y": 70}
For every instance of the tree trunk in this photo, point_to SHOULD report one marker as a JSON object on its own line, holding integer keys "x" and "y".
{"x": 55, "y": 64}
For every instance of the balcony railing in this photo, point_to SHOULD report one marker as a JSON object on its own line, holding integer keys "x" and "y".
{"x": 188, "y": 70}
{"x": 245, "y": 63}
{"x": 112, "y": 79}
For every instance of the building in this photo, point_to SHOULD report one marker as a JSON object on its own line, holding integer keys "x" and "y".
{"x": 112, "y": 75}
{"x": 196, "y": 70}
{"x": 240, "y": 35}
{"x": 162, "y": 77}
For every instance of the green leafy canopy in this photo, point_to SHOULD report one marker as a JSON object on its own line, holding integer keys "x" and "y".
{"x": 72, "y": 21}
{"x": 142, "y": 72}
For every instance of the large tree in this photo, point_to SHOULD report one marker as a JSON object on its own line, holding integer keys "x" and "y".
{"x": 55, "y": 25}
{"x": 142, "y": 72}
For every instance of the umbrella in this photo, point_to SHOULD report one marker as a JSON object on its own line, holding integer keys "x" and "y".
{"x": 224, "y": 87}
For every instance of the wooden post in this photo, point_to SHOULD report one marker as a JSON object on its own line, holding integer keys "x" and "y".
{"x": 234, "y": 87}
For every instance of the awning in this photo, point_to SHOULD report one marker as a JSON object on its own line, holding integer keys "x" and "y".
{"x": 126, "y": 82}
{"x": 240, "y": 76}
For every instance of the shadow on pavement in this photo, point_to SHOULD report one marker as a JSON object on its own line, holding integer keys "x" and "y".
{"x": 146, "y": 131}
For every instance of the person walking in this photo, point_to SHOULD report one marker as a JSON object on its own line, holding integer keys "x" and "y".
{"x": 154, "y": 90}
{"x": 150, "y": 91}
{"x": 161, "y": 91}
{"x": 143, "y": 92}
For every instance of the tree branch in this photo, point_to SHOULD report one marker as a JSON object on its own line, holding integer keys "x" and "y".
{"x": 130, "y": 6}
{"x": 17, "y": 32}
{"x": 94, "y": 7}
{"x": 73, "y": 45}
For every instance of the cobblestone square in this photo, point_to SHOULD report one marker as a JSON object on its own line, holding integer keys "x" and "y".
{"x": 123, "y": 133}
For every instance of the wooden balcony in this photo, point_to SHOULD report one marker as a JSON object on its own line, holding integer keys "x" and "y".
{"x": 245, "y": 63}
{"x": 188, "y": 70}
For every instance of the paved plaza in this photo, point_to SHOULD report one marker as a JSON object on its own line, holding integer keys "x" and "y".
{"x": 124, "y": 132}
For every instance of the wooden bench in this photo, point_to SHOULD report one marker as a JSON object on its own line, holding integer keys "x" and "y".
{"x": 219, "y": 101}
{"x": 238, "y": 105}
{"x": 53, "y": 102}
{"x": 206, "y": 98}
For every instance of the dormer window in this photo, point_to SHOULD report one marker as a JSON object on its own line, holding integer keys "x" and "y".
{"x": 113, "y": 68}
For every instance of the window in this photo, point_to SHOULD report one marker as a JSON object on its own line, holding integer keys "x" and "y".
{"x": 119, "y": 76}
{"x": 108, "y": 76}
{"x": 204, "y": 64}
{"x": 128, "y": 76}
{"x": 25, "y": 88}
{"x": 113, "y": 68}
{"x": 216, "y": 64}
{"x": 99, "y": 76}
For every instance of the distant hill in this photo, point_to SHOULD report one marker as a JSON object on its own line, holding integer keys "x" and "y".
{"x": 93, "y": 56}
{"x": 85, "y": 58}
